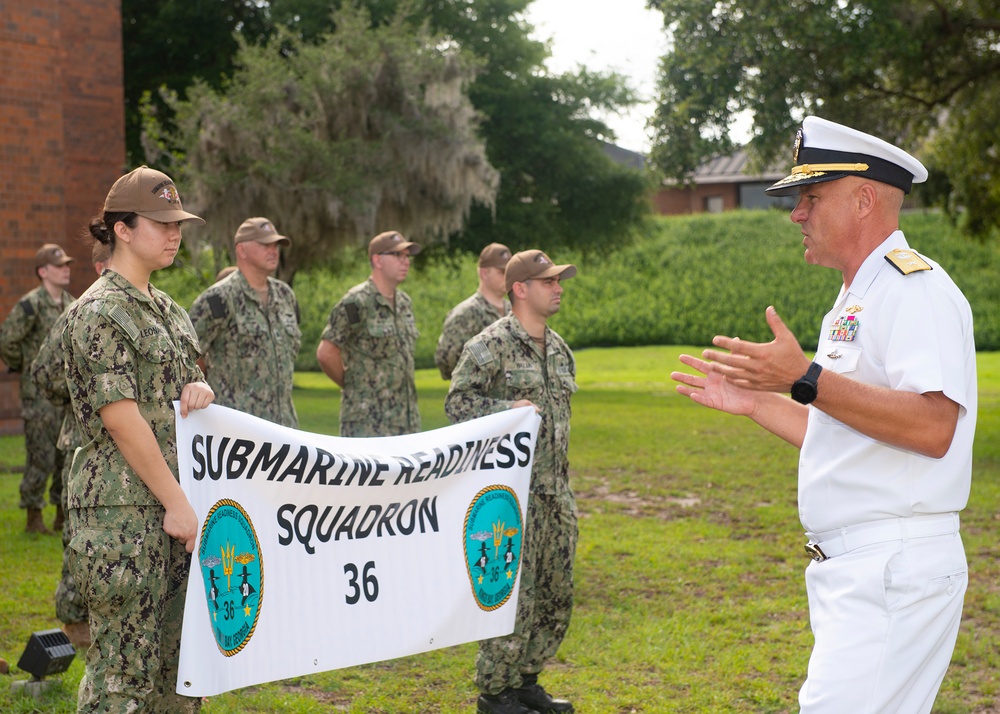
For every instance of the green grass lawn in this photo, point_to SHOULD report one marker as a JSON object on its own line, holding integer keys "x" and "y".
{"x": 689, "y": 569}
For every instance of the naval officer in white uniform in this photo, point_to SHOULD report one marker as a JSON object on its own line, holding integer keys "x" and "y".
{"x": 884, "y": 416}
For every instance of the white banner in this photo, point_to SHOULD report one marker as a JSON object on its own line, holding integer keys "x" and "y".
{"x": 319, "y": 552}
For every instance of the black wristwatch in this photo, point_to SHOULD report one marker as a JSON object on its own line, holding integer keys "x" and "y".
{"x": 804, "y": 390}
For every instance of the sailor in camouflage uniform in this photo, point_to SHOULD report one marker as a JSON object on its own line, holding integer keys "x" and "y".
{"x": 248, "y": 327}
{"x": 130, "y": 352}
{"x": 48, "y": 372}
{"x": 368, "y": 344}
{"x": 520, "y": 361}
{"x": 21, "y": 335}
{"x": 467, "y": 319}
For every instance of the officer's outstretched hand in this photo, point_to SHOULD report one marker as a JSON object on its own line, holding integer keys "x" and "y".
{"x": 764, "y": 367}
{"x": 711, "y": 389}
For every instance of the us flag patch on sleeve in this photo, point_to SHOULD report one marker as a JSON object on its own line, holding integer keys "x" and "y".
{"x": 124, "y": 320}
{"x": 480, "y": 352}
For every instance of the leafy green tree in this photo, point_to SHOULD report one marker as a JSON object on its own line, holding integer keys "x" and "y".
{"x": 362, "y": 130}
{"x": 172, "y": 42}
{"x": 558, "y": 188}
{"x": 557, "y": 185}
{"x": 923, "y": 73}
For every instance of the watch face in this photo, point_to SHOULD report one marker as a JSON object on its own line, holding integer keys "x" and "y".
{"x": 803, "y": 392}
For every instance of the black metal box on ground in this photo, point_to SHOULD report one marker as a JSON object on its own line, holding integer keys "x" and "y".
{"x": 48, "y": 652}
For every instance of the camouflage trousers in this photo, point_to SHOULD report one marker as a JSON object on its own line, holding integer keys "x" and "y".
{"x": 544, "y": 602}
{"x": 134, "y": 580}
{"x": 70, "y": 607}
{"x": 42, "y": 421}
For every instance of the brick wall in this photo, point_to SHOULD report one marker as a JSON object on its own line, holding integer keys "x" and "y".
{"x": 62, "y": 140}
{"x": 676, "y": 201}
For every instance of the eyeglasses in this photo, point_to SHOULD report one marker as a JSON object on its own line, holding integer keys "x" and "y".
{"x": 401, "y": 254}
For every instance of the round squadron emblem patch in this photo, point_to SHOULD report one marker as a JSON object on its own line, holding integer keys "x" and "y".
{"x": 493, "y": 541}
{"x": 233, "y": 574}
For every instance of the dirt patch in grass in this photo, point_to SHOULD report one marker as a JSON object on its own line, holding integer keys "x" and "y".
{"x": 601, "y": 499}
{"x": 337, "y": 701}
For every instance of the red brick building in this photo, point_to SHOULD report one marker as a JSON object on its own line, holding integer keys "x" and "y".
{"x": 721, "y": 184}
{"x": 62, "y": 141}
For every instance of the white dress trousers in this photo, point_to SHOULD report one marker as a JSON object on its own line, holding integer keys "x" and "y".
{"x": 885, "y": 618}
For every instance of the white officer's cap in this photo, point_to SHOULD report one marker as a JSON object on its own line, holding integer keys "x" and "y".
{"x": 827, "y": 151}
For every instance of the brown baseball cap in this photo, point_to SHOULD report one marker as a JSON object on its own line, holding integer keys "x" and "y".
{"x": 495, "y": 255}
{"x": 534, "y": 264}
{"x": 391, "y": 242}
{"x": 150, "y": 194}
{"x": 51, "y": 254}
{"x": 259, "y": 230}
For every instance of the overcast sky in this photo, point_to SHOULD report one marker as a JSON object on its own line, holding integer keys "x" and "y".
{"x": 619, "y": 35}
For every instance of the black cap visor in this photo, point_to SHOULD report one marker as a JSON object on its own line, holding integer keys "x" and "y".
{"x": 811, "y": 170}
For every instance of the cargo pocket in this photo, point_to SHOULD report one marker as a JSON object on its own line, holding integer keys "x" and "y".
{"x": 292, "y": 334}
{"x": 568, "y": 383}
{"x": 155, "y": 351}
{"x": 838, "y": 358}
{"x": 104, "y": 568}
{"x": 380, "y": 339}
{"x": 525, "y": 384}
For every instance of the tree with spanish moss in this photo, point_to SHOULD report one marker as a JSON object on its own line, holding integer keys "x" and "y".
{"x": 361, "y": 130}
{"x": 558, "y": 188}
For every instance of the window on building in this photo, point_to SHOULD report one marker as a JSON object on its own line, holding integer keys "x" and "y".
{"x": 713, "y": 204}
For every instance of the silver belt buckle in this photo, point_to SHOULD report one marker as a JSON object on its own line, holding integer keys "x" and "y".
{"x": 814, "y": 552}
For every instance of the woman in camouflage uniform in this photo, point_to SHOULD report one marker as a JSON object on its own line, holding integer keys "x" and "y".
{"x": 130, "y": 353}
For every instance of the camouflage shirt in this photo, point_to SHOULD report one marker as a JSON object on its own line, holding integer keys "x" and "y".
{"x": 22, "y": 334}
{"x": 48, "y": 374}
{"x": 501, "y": 365}
{"x": 121, "y": 344}
{"x": 249, "y": 349}
{"x": 377, "y": 344}
{"x": 465, "y": 321}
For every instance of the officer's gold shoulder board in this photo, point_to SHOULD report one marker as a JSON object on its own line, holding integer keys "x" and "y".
{"x": 906, "y": 261}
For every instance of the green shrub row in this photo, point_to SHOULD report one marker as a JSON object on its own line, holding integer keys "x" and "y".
{"x": 683, "y": 281}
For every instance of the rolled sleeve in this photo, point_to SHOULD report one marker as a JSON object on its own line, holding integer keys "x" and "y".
{"x": 105, "y": 363}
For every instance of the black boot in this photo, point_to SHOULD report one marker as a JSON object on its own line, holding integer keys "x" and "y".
{"x": 532, "y": 694}
{"x": 506, "y": 702}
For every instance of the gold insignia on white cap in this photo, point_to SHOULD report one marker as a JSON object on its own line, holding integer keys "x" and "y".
{"x": 817, "y": 169}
